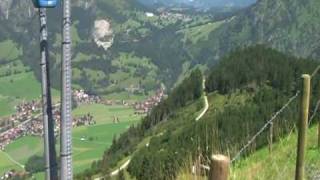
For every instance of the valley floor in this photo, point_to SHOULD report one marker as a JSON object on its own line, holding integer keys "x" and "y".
{"x": 89, "y": 142}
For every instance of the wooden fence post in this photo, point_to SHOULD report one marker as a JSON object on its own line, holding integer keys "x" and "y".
{"x": 303, "y": 125}
{"x": 271, "y": 137}
{"x": 219, "y": 167}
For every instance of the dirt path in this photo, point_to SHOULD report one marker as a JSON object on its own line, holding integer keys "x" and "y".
{"x": 116, "y": 172}
{"x": 205, "y": 109}
{"x": 206, "y": 103}
{"x": 12, "y": 160}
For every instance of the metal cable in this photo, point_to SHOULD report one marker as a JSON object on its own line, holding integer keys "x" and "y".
{"x": 265, "y": 127}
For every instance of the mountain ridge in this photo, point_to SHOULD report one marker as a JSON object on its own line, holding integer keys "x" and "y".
{"x": 289, "y": 26}
{"x": 204, "y": 4}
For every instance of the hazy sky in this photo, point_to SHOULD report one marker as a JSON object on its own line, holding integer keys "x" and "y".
{"x": 205, "y": 2}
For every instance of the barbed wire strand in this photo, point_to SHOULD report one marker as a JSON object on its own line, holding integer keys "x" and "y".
{"x": 315, "y": 71}
{"x": 314, "y": 112}
{"x": 237, "y": 156}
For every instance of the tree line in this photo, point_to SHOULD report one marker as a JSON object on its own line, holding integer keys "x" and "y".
{"x": 124, "y": 145}
{"x": 259, "y": 78}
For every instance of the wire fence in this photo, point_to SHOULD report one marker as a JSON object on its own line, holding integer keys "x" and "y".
{"x": 289, "y": 154}
{"x": 285, "y": 167}
{"x": 265, "y": 126}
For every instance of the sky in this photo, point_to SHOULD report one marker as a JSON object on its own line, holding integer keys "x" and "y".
{"x": 205, "y": 3}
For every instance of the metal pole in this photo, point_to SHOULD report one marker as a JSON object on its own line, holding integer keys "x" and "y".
{"x": 303, "y": 125}
{"x": 48, "y": 123}
{"x": 66, "y": 93}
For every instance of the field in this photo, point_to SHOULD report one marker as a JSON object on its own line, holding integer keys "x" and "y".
{"x": 125, "y": 95}
{"x": 104, "y": 114}
{"x": 6, "y": 163}
{"x": 89, "y": 142}
{"x": 16, "y": 88}
{"x": 97, "y": 139}
{"x": 197, "y": 33}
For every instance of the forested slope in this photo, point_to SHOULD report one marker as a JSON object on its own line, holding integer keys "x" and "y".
{"x": 289, "y": 26}
{"x": 241, "y": 100}
{"x": 145, "y": 52}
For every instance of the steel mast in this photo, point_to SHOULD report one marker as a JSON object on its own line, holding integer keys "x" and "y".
{"x": 66, "y": 96}
{"x": 48, "y": 122}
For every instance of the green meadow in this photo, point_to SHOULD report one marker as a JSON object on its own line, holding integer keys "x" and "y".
{"x": 9, "y": 50}
{"x": 104, "y": 114}
{"x": 16, "y": 88}
{"x": 281, "y": 162}
{"x": 202, "y": 32}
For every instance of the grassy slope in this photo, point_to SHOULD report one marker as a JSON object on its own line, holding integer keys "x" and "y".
{"x": 280, "y": 164}
{"x": 10, "y": 62}
{"x": 87, "y": 151}
{"x": 185, "y": 116}
{"x": 188, "y": 113}
{"x": 202, "y": 32}
{"x": 8, "y": 50}
{"x": 24, "y": 147}
{"x": 6, "y": 164}
{"x": 16, "y": 88}
{"x": 97, "y": 138}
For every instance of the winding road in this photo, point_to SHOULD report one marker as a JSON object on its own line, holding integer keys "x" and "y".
{"x": 124, "y": 165}
{"x": 203, "y": 112}
{"x": 206, "y": 103}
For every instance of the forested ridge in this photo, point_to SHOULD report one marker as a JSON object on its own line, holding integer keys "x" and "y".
{"x": 134, "y": 59}
{"x": 244, "y": 90}
{"x": 189, "y": 90}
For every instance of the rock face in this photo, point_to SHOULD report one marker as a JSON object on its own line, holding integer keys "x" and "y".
{"x": 103, "y": 34}
{"x": 5, "y": 8}
{"x": 83, "y": 3}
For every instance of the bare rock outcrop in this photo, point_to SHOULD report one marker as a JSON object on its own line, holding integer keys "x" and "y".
{"x": 103, "y": 33}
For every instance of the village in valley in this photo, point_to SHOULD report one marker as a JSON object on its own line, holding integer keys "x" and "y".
{"x": 27, "y": 119}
